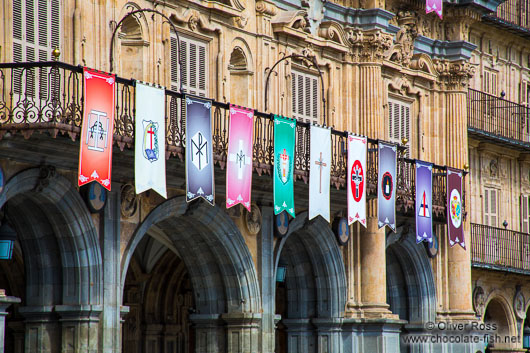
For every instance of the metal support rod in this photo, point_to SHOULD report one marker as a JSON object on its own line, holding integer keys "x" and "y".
{"x": 111, "y": 55}
{"x": 313, "y": 63}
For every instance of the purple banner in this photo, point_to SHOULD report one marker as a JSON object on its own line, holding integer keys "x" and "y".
{"x": 199, "y": 156}
{"x": 386, "y": 181}
{"x": 423, "y": 202}
{"x": 455, "y": 207}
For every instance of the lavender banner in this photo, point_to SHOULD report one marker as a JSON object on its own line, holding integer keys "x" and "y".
{"x": 199, "y": 156}
{"x": 423, "y": 202}
{"x": 386, "y": 190}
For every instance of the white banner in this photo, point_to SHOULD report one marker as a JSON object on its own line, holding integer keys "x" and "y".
{"x": 150, "y": 140}
{"x": 319, "y": 172}
{"x": 356, "y": 179}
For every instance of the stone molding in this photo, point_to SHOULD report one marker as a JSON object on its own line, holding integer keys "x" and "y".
{"x": 454, "y": 75}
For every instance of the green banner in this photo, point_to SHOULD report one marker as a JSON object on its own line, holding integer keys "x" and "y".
{"x": 284, "y": 139}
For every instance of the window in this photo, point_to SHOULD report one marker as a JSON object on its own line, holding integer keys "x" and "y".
{"x": 194, "y": 61}
{"x": 489, "y": 82}
{"x": 399, "y": 121}
{"x": 524, "y": 99}
{"x": 36, "y": 32}
{"x": 490, "y": 207}
{"x": 525, "y": 216}
{"x": 304, "y": 88}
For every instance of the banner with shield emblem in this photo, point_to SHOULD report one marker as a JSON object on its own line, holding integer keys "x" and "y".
{"x": 95, "y": 151}
{"x": 284, "y": 140}
{"x": 199, "y": 151}
{"x": 150, "y": 140}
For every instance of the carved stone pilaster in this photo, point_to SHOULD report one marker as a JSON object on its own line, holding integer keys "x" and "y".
{"x": 454, "y": 75}
{"x": 458, "y": 20}
{"x": 368, "y": 46}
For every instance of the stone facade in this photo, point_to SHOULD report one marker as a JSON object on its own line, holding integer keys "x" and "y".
{"x": 153, "y": 275}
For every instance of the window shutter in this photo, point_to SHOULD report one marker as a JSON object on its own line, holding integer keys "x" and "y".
{"x": 523, "y": 99}
{"x": 486, "y": 207}
{"x": 524, "y": 214}
{"x": 399, "y": 122}
{"x": 305, "y": 97}
{"x": 493, "y": 207}
{"x": 194, "y": 59}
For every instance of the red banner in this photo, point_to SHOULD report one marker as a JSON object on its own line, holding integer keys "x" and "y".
{"x": 95, "y": 152}
{"x": 455, "y": 208}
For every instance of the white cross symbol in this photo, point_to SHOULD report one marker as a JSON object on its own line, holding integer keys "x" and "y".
{"x": 241, "y": 159}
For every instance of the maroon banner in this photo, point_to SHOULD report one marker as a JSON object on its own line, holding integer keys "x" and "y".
{"x": 95, "y": 151}
{"x": 455, "y": 209}
{"x": 239, "y": 159}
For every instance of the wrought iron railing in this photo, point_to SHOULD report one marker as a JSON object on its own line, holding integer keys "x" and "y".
{"x": 49, "y": 96}
{"x": 498, "y": 117}
{"x": 516, "y": 12}
{"x": 499, "y": 247}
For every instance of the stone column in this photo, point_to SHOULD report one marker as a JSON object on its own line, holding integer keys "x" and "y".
{"x": 300, "y": 335}
{"x": 373, "y": 268}
{"x": 43, "y": 334}
{"x": 242, "y": 332}
{"x": 267, "y": 280}
{"x": 110, "y": 327}
{"x": 80, "y": 328}
{"x": 455, "y": 77}
{"x": 329, "y": 334}
{"x": 209, "y": 333}
{"x": 5, "y": 302}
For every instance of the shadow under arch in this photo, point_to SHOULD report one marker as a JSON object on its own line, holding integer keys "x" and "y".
{"x": 409, "y": 258}
{"x": 316, "y": 287}
{"x": 59, "y": 241}
{"x": 220, "y": 265}
{"x": 498, "y": 311}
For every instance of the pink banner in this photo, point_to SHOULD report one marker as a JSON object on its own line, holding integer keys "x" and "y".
{"x": 239, "y": 158}
{"x": 434, "y": 6}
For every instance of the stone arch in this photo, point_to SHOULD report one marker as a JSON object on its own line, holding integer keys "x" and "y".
{"x": 315, "y": 282}
{"x": 498, "y": 311}
{"x": 220, "y": 265}
{"x": 241, "y": 76}
{"x": 408, "y": 262}
{"x": 59, "y": 241}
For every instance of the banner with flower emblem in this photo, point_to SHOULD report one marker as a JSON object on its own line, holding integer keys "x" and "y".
{"x": 454, "y": 208}
{"x": 284, "y": 140}
{"x": 150, "y": 140}
{"x": 239, "y": 159}
{"x": 95, "y": 151}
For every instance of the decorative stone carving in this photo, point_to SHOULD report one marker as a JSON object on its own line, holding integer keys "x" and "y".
{"x": 291, "y": 19}
{"x": 266, "y": 8}
{"x": 332, "y": 31}
{"x": 129, "y": 201}
{"x": 478, "y": 300}
{"x": 423, "y": 62}
{"x": 493, "y": 168}
{"x": 519, "y": 304}
{"x": 368, "y": 46}
{"x": 457, "y": 21}
{"x": 403, "y": 49}
{"x": 46, "y": 174}
{"x": 454, "y": 75}
{"x": 253, "y": 220}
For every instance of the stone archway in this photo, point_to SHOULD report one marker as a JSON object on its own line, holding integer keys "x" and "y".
{"x": 227, "y": 304}
{"x": 411, "y": 292}
{"x": 500, "y": 317}
{"x": 61, "y": 260}
{"x": 315, "y": 288}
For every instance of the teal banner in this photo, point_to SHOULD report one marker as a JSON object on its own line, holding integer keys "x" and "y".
{"x": 284, "y": 140}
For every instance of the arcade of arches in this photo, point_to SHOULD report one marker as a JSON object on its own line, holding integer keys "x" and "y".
{"x": 190, "y": 278}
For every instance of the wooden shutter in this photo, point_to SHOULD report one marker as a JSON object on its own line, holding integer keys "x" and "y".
{"x": 305, "y": 96}
{"x": 490, "y": 207}
{"x": 193, "y": 59}
{"x": 489, "y": 82}
{"x": 36, "y": 32}
{"x": 399, "y": 122}
{"x": 524, "y": 214}
{"x": 523, "y": 95}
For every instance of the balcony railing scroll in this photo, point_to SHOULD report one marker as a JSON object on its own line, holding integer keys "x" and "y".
{"x": 497, "y": 117}
{"x": 500, "y": 248}
{"x": 49, "y": 97}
